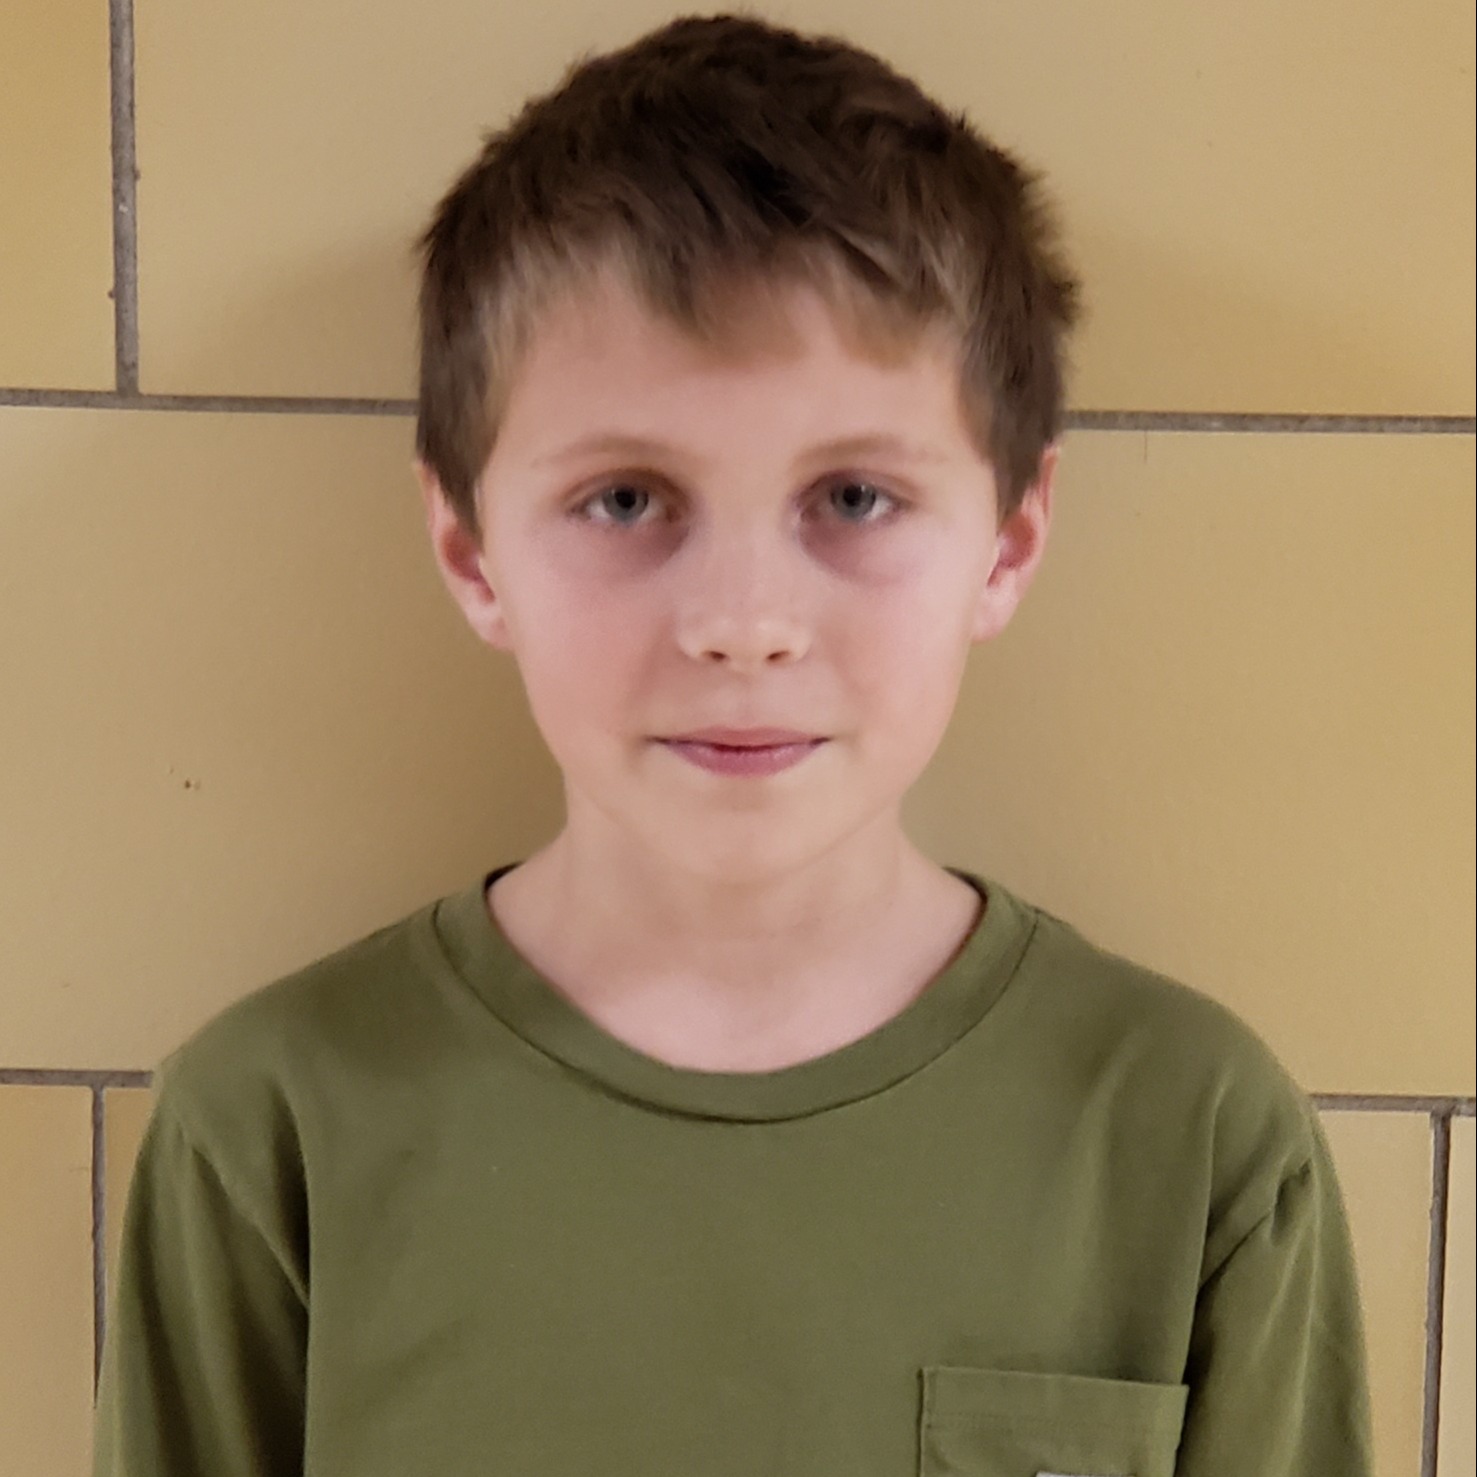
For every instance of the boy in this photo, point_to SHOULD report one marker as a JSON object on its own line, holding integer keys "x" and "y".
{"x": 729, "y": 1135}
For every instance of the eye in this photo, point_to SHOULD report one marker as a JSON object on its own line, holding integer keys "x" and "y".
{"x": 620, "y": 504}
{"x": 617, "y": 495}
{"x": 871, "y": 496}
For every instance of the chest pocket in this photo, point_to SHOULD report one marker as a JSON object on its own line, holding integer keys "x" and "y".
{"x": 1004, "y": 1423}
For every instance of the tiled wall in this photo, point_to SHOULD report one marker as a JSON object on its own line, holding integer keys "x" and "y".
{"x": 1230, "y": 733}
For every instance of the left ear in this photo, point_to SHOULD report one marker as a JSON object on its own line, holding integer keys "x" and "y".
{"x": 1019, "y": 544}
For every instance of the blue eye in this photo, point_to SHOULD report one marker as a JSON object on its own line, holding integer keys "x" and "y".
{"x": 623, "y": 503}
{"x": 868, "y": 487}
{"x": 625, "y": 491}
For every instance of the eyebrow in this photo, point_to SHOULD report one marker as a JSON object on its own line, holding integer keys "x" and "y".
{"x": 841, "y": 446}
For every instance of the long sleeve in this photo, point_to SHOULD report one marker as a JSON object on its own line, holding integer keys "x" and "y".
{"x": 204, "y": 1358}
{"x": 1277, "y": 1370}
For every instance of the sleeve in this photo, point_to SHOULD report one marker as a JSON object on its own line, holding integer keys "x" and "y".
{"x": 204, "y": 1353}
{"x": 1277, "y": 1369}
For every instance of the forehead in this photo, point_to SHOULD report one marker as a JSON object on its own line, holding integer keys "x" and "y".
{"x": 598, "y": 356}
{"x": 749, "y": 318}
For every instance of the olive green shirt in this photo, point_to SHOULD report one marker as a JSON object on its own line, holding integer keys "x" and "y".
{"x": 409, "y": 1211}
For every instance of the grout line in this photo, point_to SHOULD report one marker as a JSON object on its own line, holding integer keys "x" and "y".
{"x": 125, "y": 198}
{"x": 259, "y": 404}
{"x": 1086, "y": 420}
{"x": 1435, "y": 1289}
{"x": 99, "y": 1224}
{"x": 1391, "y": 1102}
{"x": 1177, "y": 420}
{"x": 73, "y": 1077}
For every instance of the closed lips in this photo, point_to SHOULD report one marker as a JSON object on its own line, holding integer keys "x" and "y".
{"x": 735, "y": 738}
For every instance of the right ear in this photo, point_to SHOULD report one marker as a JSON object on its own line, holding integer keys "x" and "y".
{"x": 462, "y": 562}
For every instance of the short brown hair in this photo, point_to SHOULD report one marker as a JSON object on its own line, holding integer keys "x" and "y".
{"x": 724, "y": 151}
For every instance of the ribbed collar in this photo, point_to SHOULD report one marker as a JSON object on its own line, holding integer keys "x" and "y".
{"x": 956, "y": 999}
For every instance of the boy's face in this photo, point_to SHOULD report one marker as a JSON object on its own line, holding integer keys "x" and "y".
{"x": 731, "y": 572}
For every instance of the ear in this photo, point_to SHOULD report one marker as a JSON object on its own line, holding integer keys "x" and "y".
{"x": 462, "y": 562}
{"x": 1019, "y": 544}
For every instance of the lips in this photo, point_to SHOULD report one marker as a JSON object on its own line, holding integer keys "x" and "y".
{"x": 743, "y": 738}
{"x": 751, "y": 760}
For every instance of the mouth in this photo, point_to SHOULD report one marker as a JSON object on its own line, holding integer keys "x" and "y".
{"x": 686, "y": 743}
{"x": 743, "y": 759}
{"x": 743, "y": 738}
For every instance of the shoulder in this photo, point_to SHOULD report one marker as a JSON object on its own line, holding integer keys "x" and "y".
{"x": 239, "y": 1085}
{"x": 1182, "y": 1069}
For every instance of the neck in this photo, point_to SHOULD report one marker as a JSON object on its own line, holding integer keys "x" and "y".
{"x": 647, "y": 906}
{"x": 736, "y": 977}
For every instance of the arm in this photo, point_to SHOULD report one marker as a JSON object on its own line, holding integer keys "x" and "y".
{"x": 1276, "y": 1366}
{"x": 204, "y": 1358}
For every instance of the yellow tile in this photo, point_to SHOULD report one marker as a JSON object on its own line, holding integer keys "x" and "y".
{"x": 126, "y": 1113}
{"x": 291, "y": 272}
{"x": 1384, "y": 1168}
{"x": 1230, "y": 734}
{"x": 1272, "y": 206}
{"x": 1457, "y": 1441}
{"x": 45, "y": 1280}
{"x": 243, "y": 723}
{"x": 56, "y": 225}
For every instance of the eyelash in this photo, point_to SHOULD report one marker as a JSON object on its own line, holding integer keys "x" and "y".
{"x": 580, "y": 513}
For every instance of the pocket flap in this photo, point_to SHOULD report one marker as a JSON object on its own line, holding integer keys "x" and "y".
{"x": 1008, "y": 1423}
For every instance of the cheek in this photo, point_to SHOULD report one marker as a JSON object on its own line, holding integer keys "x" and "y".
{"x": 905, "y": 662}
{"x": 912, "y": 671}
{"x": 578, "y": 661}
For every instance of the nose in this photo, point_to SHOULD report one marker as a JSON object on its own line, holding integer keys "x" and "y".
{"x": 742, "y": 604}
{"x": 746, "y": 645}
